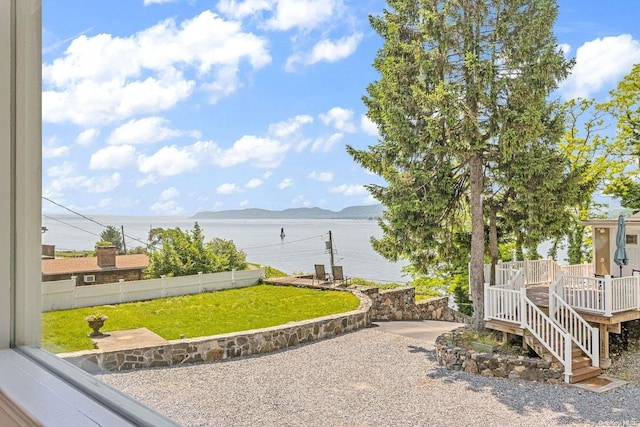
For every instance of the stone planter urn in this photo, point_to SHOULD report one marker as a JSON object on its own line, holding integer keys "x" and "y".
{"x": 96, "y": 321}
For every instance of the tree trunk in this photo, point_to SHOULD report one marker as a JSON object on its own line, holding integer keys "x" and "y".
{"x": 493, "y": 242}
{"x": 476, "y": 270}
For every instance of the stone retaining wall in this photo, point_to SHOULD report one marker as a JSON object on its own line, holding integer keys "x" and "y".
{"x": 400, "y": 304}
{"x": 495, "y": 365}
{"x": 396, "y": 304}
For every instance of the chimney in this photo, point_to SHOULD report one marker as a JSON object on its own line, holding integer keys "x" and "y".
{"x": 106, "y": 256}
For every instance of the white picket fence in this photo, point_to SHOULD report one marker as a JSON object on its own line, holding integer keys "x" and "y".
{"x": 64, "y": 294}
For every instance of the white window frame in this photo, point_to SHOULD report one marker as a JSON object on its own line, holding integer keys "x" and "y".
{"x": 44, "y": 387}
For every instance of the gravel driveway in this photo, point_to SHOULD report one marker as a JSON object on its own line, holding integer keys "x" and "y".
{"x": 364, "y": 378}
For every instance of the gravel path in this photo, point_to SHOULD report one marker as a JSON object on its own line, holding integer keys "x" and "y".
{"x": 364, "y": 378}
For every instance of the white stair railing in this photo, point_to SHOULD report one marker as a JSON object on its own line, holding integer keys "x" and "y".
{"x": 549, "y": 334}
{"x": 586, "y": 337}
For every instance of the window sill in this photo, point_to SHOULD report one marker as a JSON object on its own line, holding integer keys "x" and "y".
{"x": 37, "y": 386}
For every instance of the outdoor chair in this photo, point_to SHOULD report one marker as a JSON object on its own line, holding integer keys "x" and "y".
{"x": 320, "y": 275}
{"x": 338, "y": 275}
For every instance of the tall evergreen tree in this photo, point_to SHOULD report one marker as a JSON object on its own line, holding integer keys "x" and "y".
{"x": 462, "y": 89}
{"x": 112, "y": 234}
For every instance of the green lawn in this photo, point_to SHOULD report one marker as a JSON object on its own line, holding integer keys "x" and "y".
{"x": 196, "y": 315}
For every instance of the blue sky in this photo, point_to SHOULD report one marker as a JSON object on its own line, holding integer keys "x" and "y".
{"x": 169, "y": 107}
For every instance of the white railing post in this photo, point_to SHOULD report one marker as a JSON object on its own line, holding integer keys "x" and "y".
{"x": 595, "y": 347}
{"x": 608, "y": 296}
{"x": 551, "y": 270}
{"x": 523, "y": 308}
{"x": 552, "y": 301}
{"x": 74, "y": 279}
{"x": 487, "y": 302}
{"x": 567, "y": 358}
{"x": 199, "y": 282}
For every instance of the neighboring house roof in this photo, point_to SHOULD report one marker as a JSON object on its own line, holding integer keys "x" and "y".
{"x": 633, "y": 220}
{"x": 90, "y": 264}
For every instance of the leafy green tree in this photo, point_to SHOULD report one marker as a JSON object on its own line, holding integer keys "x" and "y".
{"x": 625, "y": 107}
{"x": 595, "y": 159}
{"x": 184, "y": 253}
{"x": 112, "y": 234}
{"x": 463, "y": 86}
{"x": 231, "y": 258}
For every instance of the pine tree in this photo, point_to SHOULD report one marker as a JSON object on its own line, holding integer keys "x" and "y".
{"x": 462, "y": 90}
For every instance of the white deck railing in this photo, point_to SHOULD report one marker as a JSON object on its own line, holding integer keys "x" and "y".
{"x": 580, "y": 270}
{"x": 501, "y": 304}
{"x": 548, "y": 333}
{"x": 625, "y": 293}
{"x": 584, "y": 335}
{"x": 605, "y": 296}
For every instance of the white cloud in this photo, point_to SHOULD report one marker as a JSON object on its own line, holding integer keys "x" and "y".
{"x": 289, "y": 127}
{"x": 349, "y": 190}
{"x": 114, "y": 157}
{"x": 104, "y": 183}
{"x": 87, "y": 137}
{"x": 600, "y": 64}
{"x": 60, "y": 171}
{"x": 254, "y": 183}
{"x": 169, "y": 193}
{"x": 104, "y": 202}
{"x": 244, "y": 203}
{"x": 368, "y": 126}
{"x": 340, "y": 118}
{"x": 287, "y": 182}
{"x": 261, "y": 152}
{"x": 144, "y": 131}
{"x": 322, "y": 176}
{"x": 301, "y": 201}
{"x": 228, "y": 188}
{"x": 240, "y": 9}
{"x": 104, "y": 78}
{"x": 325, "y": 51}
{"x": 167, "y": 208}
{"x": 332, "y": 51}
{"x": 565, "y": 48}
{"x": 148, "y": 2}
{"x": 149, "y": 179}
{"x": 267, "y": 175}
{"x": 326, "y": 144}
{"x": 51, "y": 149}
{"x": 167, "y": 161}
{"x": 303, "y": 14}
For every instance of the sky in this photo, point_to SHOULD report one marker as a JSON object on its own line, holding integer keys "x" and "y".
{"x": 170, "y": 107}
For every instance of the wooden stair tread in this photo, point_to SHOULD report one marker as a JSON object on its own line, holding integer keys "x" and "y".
{"x": 584, "y": 373}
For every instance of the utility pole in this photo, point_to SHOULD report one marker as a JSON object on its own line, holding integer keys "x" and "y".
{"x": 124, "y": 244}
{"x": 330, "y": 244}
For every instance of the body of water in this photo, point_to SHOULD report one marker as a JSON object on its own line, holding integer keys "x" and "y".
{"x": 303, "y": 245}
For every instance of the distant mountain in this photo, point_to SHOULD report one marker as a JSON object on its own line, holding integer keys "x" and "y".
{"x": 352, "y": 212}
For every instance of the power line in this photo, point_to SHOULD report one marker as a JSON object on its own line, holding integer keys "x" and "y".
{"x": 284, "y": 243}
{"x": 90, "y": 219}
{"x": 70, "y": 225}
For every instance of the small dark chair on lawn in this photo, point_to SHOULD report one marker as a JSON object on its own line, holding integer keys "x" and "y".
{"x": 338, "y": 275}
{"x": 320, "y": 275}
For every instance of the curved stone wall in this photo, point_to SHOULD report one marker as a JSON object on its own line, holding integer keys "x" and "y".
{"x": 495, "y": 365}
{"x": 394, "y": 304}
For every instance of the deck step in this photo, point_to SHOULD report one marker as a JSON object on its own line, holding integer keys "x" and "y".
{"x": 584, "y": 373}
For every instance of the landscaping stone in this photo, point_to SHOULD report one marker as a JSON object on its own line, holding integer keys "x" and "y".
{"x": 398, "y": 304}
